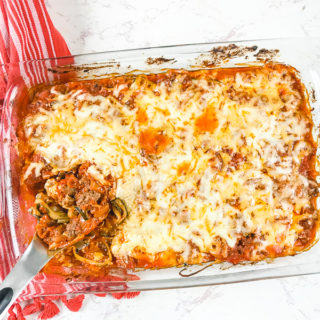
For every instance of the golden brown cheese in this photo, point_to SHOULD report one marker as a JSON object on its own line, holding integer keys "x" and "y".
{"x": 213, "y": 164}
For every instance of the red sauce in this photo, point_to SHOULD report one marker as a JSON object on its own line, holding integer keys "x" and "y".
{"x": 274, "y": 250}
{"x": 142, "y": 116}
{"x": 207, "y": 121}
{"x": 153, "y": 141}
{"x": 183, "y": 168}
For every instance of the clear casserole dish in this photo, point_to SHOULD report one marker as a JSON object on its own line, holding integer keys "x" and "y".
{"x": 18, "y": 226}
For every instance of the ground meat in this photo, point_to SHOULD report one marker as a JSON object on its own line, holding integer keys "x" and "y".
{"x": 85, "y": 197}
{"x": 80, "y": 189}
{"x": 86, "y": 201}
{"x": 307, "y": 166}
{"x": 236, "y": 160}
{"x": 234, "y": 202}
{"x": 242, "y": 250}
{"x": 73, "y": 229}
{"x": 216, "y": 162}
{"x": 228, "y": 151}
{"x": 68, "y": 195}
{"x": 186, "y": 83}
{"x": 239, "y": 96}
{"x": 313, "y": 190}
{"x": 307, "y": 234}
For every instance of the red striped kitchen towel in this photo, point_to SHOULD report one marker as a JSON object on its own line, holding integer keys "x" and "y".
{"x": 27, "y": 33}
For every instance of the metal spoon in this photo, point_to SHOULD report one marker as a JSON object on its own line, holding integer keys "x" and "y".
{"x": 32, "y": 261}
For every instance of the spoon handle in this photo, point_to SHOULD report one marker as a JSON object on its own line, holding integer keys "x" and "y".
{"x": 32, "y": 261}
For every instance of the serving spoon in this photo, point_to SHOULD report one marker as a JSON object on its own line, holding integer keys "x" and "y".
{"x": 32, "y": 261}
{"x": 35, "y": 257}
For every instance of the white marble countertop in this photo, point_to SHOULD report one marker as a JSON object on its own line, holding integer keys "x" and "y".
{"x": 99, "y": 25}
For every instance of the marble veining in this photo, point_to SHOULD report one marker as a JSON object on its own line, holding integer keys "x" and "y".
{"x": 100, "y": 25}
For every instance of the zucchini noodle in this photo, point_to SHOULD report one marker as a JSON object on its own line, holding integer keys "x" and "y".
{"x": 107, "y": 261}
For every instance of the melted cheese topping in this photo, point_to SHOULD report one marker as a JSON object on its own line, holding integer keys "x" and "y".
{"x": 199, "y": 165}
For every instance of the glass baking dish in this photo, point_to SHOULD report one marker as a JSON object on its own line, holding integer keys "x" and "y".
{"x": 17, "y": 226}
